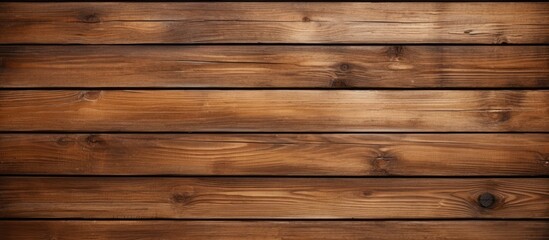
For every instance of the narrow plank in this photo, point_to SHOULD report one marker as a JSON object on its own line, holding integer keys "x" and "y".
{"x": 305, "y": 22}
{"x": 287, "y": 230}
{"x": 276, "y": 154}
{"x": 255, "y": 198}
{"x": 272, "y": 110}
{"x": 275, "y": 66}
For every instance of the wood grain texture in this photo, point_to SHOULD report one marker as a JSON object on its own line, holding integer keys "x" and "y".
{"x": 272, "y": 110}
{"x": 275, "y": 230}
{"x": 255, "y": 198}
{"x": 129, "y": 23}
{"x": 274, "y": 66}
{"x": 276, "y": 154}
{"x": 274, "y": 120}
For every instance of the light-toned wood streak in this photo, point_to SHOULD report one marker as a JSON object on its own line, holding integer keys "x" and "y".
{"x": 275, "y": 66}
{"x": 274, "y": 230}
{"x": 276, "y": 154}
{"x": 306, "y": 22}
{"x": 255, "y": 198}
{"x": 274, "y": 110}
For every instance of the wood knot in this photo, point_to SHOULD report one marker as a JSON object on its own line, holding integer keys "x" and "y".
{"x": 181, "y": 198}
{"x": 90, "y": 95}
{"x": 384, "y": 157}
{"x": 501, "y": 39}
{"x": 498, "y": 116}
{"x": 339, "y": 83}
{"x": 544, "y": 160}
{"x": 306, "y": 19}
{"x": 468, "y": 31}
{"x": 367, "y": 193}
{"x": 395, "y": 52}
{"x": 91, "y": 18}
{"x": 63, "y": 141}
{"x": 344, "y": 67}
{"x": 486, "y": 200}
{"x": 95, "y": 140}
{"x": 381, "y": 164}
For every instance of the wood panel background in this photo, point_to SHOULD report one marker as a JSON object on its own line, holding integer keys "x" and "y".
{"x": 274, "y": 120}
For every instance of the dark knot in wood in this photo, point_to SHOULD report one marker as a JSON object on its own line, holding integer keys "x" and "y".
{"x": 395, "y": 52}
{"x": 182, "y": 198}
{"x": 500, "y": 38}
{"x": 344, "y": 67}
{"x": 90, "y": 95}
{"x": 63, "y": 141}
{"x": 91, "y": 18}
{"x": 339, "y": 83}
{"x": 486, "y": 200}
{"x": 95, "y": 140}
{"x": 498, "y": 116}
{"x": 382, "y": 163}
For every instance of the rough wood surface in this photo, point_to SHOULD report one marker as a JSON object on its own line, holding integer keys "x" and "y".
{"x": 276, "y": 154}
{"x": 275, "y": 66}
{"x": 275, "y": 110}
{"x": 274, "y": 120}
{"x": 312, "y": 22}
{"x": 254, "y": 198}
{"x": 274, "y": 230}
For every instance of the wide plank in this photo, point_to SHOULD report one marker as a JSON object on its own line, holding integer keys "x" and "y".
{"x": 249, "y": 22}
{"x": 275, "y": 230}
{"x": 274, "y": 66}
{"x": 257, "y": 198}
{"x": 276, "y": 154}
{"x": 275, "y": 110}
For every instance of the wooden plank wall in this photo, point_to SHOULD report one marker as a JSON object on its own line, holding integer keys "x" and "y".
{"x": 274, "y": 120}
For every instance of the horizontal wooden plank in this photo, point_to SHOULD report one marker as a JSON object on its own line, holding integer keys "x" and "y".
{"x": 255, "y": 198}
{"x": 275, "y": 66}
{"x": 274, "y": 110}
{"x": 287, "y": 230}
{"x": 128, "y": 23}
{"x": 276, "y": 154}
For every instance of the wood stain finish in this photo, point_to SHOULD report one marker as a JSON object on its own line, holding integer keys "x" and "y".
{"x": 274, "y": 120}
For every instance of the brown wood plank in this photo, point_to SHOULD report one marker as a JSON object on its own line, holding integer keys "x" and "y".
{"x": 126, "y": 23}
{"x": 282, "y": 110}
{"x": 287, "y": 230}
{"x": 307, "y": 198}
{"x": 275, "y": 66}
{"x": 276, "y": 154}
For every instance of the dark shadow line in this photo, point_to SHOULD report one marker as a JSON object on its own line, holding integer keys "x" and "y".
{"x": 277, "y": 219}
{"x": 177, "y": 176}
{"x": 160, "y": 88}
